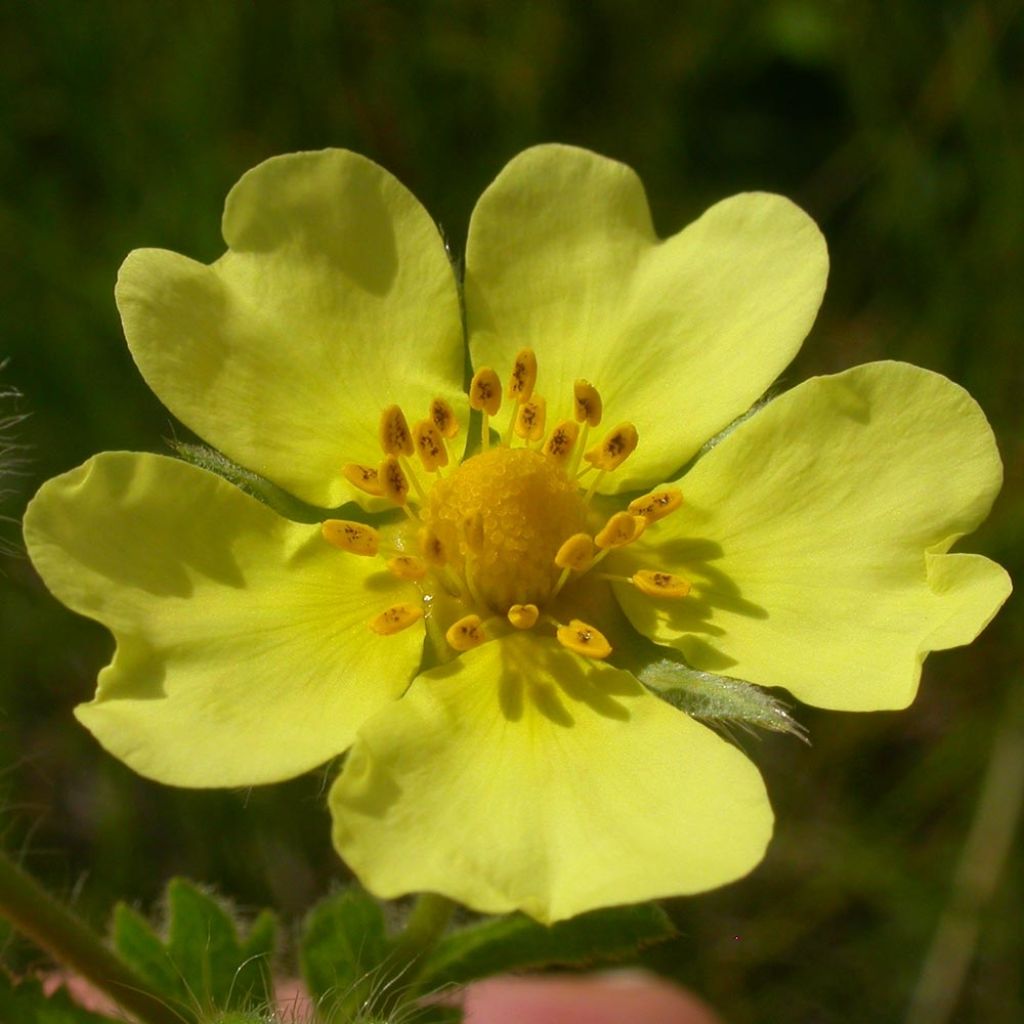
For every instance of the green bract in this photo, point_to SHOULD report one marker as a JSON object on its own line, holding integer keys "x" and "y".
{"x": 518, "y": 774}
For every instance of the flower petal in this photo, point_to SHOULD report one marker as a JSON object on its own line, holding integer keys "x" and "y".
{"x": 243, "y": 654}
{"x": 334, "y": 300}
{"x": 816, "y": 536}
{"x": 679, "y": 335}
{"x": 520, "y": 776}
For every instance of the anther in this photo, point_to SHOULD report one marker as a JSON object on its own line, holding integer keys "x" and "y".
{"x": 395, "y": 438}
{"x": 466, "y": 634}
{"x": 583, "y": 639}
{"x": 587, "y": 406}
{"x": 485, "y": 391}
{"x": 393, "y": 481}
{"x": 621, "y": 529}
{"x": 396, "y": 618}
{"x": 616, "y": 447}
{"x": 356, "y": 538}
{"x": 523, "y": 616}
{"x": 524, "y": 376}
{"x": 530, "y": 419}
{"x": 407, "y": 567}
{"x": 364, "y": 478}
{"x": 442, "y": 415}
{"x": 657, "y": 504}
{"x": 577, "y": 553}
{"x": 430, "y": 445}
{"x": 432, "y": 547}
{"x": 560, "y": 444}
{"x": 660, "y": 584}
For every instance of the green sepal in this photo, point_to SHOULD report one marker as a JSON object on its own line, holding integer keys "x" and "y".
{"x": 25, "y": 1003}
{"x": 204, "y": 965}
{"x": 718, "y": 700}
{"x": 517, "y": 943}
{"x": 258, "y": 487}
{"x": 343, "y": 953}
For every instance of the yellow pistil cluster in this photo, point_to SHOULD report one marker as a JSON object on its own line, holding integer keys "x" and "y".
{"x": 503, "y": 532}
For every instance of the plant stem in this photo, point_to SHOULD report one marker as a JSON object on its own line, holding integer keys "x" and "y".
{"x": 425, "y": 925}
{"x": 33, "y": 911}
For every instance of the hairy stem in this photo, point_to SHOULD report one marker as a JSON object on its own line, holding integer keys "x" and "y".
{"x": 48, "y": 923}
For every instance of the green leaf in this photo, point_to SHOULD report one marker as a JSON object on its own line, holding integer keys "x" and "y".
{"x": 203, "y": 964}
{"x": 344, "y": 945}
{"x": 718, "y": 700}
{"x": 25, "y": 1003}
{"x": 516, "y": 943}
{"x": 258, "y": 487}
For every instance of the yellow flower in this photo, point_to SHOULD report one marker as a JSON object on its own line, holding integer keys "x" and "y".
{"x": 512, "y": 760}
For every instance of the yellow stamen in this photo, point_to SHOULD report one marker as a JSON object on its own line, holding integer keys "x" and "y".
{"x": 587, "y": 406}
{"x": 485, "y": 397}
{"x": 616, "y": 447}
{"x": 485, "y": 391}
{"x": 657, "y": 504}
{"x": 583, "y": 639}
{"x": 523, "y": 616}
{"x": 393, "y": 481}
{"x": 442, "y": 415}
{"x": 559, "y": 445}
{"x": 524, "y": 376}
{"x": 576, "y": 553}
{"x": 621, "y": 529}
{"x": 395, "y": 438}
{"x": 432, "y": 547}
{"x": 407, "y": 567}
{"x": 530, "y": 419}
{"x": 356, "y": 538}
{"x": 466, "y": 634}
{"x": 363, "y": 477}
{"x": 660, "y": 584}
{"x": 430, "y": 445}
{"x": 395, "y": 619}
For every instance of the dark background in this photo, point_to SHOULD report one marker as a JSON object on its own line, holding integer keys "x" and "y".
{"x": 898, "y": 126}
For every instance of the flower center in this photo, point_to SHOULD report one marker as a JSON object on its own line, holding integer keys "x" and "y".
{"x": 503, "y": 532}
{"x": 502, "y": 516}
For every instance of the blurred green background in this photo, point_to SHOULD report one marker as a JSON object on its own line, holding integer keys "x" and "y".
{"x": 899, "y": 127}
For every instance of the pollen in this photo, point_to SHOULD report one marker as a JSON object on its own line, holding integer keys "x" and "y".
{"x": 430, "y": 445}
{"x": 530, "y": 419}
{"x": 364, "y": 478}
{"x": 396, "y": 618}
{"x": 526, "y": 507}
{"x": 617, "y": 446}
{"x": 407, "y": 567}
{"x": 393, "y": 480}
{"x": 485, "y": 391}
{"x": 395, "y": 438}
{"x": 584, "y": 639}
{"x": 657, "y": 504}
{"x": 621, "y": 529}
{"x": 466, "y": 633}
{"x": 523, "y": 616}
{"x": 524, "y": 376}
{"x": 356, "y": 538}
{"x": 562, "y": 440}
{"x": 587, "y": 406}
{"x": 660, "y": 584}
{"x": 442, "y": 415}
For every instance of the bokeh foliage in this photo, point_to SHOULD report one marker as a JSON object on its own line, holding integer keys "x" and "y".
{"x": 899, "y": 127}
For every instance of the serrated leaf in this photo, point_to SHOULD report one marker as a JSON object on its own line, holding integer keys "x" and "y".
{"x": 25, "y": 1003}
{"x": 344, "y": 943}
{"x": 142, "y": 949}
{"x": 516, "y": 943}
{"x": 719, "y": 700}
{"x": 203, "y": 963}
